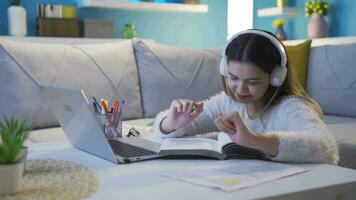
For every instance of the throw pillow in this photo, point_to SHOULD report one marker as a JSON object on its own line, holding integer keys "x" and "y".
{"x": 168, "y": 73}
{"x": 298, "y": 57}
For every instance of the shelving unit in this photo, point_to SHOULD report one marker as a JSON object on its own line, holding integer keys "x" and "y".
{"x": 275, "y": 11}
{"x": 145, "y": 6}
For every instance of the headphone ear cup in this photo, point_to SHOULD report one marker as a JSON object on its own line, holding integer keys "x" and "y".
{"x": 278, "y": 75}
{"x": 223, "y": 66}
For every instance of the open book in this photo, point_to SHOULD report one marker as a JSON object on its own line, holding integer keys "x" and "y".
{"x": 221, "y": 148}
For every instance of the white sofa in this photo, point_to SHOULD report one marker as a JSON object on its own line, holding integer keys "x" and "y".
{"x": 149, "y": 75}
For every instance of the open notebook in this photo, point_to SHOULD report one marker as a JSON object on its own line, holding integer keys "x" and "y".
{"x": 221, "y": 148}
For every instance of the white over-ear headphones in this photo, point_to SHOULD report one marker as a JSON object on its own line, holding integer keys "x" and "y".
{"x": 279, "y": 72}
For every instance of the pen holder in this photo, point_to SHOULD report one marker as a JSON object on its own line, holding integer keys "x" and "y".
{"x": 111, "y": 124}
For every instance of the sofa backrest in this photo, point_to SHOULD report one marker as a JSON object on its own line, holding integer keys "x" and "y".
{"x": 104, "y": 70}
{"x": 332, "y": 74}
{"x": 332, "y": 78}
{"x": 168, "y": 72}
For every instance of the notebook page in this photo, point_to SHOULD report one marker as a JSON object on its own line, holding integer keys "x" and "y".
{"x": 223, "y": 139}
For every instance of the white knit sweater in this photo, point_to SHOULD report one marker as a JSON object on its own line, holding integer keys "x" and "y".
{"x": 302, "y": 135}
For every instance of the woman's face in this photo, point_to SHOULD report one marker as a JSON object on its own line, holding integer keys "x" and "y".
{"x": 247, "y": 82}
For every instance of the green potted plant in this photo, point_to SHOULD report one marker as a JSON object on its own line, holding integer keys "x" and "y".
{"x": 13, "y": 134}
{"x": 316, "y": 9}
{"x": 315, "y": 6}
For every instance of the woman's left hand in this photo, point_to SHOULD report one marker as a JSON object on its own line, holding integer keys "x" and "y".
{"x": 233, "y": 124}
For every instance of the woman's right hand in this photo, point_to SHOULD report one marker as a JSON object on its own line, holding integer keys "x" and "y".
{"x": 181, "y": 112}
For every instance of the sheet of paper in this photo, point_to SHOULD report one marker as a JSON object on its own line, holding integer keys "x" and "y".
{"x": 190, "y": 144}
{"x": 233, "y": 175}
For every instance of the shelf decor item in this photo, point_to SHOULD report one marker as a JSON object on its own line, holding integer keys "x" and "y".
{"x": 51, "y": 27}
{"x": 17, "y": 19}
{"x": 316, "y": 10}
{"x": 192, "y": 1}
{"x": 129, "y": 31}
{"x": 13, "y": 134}
{"x": 281, "y": 3}
{"x": 278, "y": 24}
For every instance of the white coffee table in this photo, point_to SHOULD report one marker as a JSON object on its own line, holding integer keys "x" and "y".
{"x": 142, "y": 180}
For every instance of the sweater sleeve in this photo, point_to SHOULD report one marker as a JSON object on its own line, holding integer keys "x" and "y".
{"x": 204, "y": 123}
{"x": 304, "y": 136}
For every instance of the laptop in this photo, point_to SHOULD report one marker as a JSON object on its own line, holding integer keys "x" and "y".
{"x": 71, "y": 108}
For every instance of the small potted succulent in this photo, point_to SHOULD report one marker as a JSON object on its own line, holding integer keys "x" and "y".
{"x": 13, "y": 134}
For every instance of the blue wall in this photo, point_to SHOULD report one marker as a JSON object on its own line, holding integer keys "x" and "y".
{"x": 30, "y": 6}
{"x": 340, "y": 18}
{"x": 180, "y": 29}
{"x": 196, "y": 29}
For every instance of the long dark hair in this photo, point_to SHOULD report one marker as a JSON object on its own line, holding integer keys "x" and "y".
{"x": 260, "y": 51}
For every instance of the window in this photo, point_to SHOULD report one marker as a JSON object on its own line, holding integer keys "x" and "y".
{"x": 239, "y": 16}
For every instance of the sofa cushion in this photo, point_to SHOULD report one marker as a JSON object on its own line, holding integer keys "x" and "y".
{"x": 102, "y": 70}
{"x": 344, "y": 129}
{"x": 168, "y": 73}
{"x": 298, "y": 56}
{"x": 332, "y": 78}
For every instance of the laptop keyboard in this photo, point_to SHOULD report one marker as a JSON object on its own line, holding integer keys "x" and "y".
{"x": 127, "y": 150}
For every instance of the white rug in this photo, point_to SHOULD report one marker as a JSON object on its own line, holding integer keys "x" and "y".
{"x": 56, "y": 179}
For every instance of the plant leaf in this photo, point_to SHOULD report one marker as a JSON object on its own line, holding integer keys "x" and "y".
{"x": 13, "y": 134}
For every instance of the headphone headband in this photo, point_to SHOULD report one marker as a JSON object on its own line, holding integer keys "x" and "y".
{"x": 274, "y": 40}
{"x": 279, "y": 72}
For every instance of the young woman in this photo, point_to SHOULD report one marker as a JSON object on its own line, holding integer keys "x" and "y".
{"x": 264, "y": 106}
